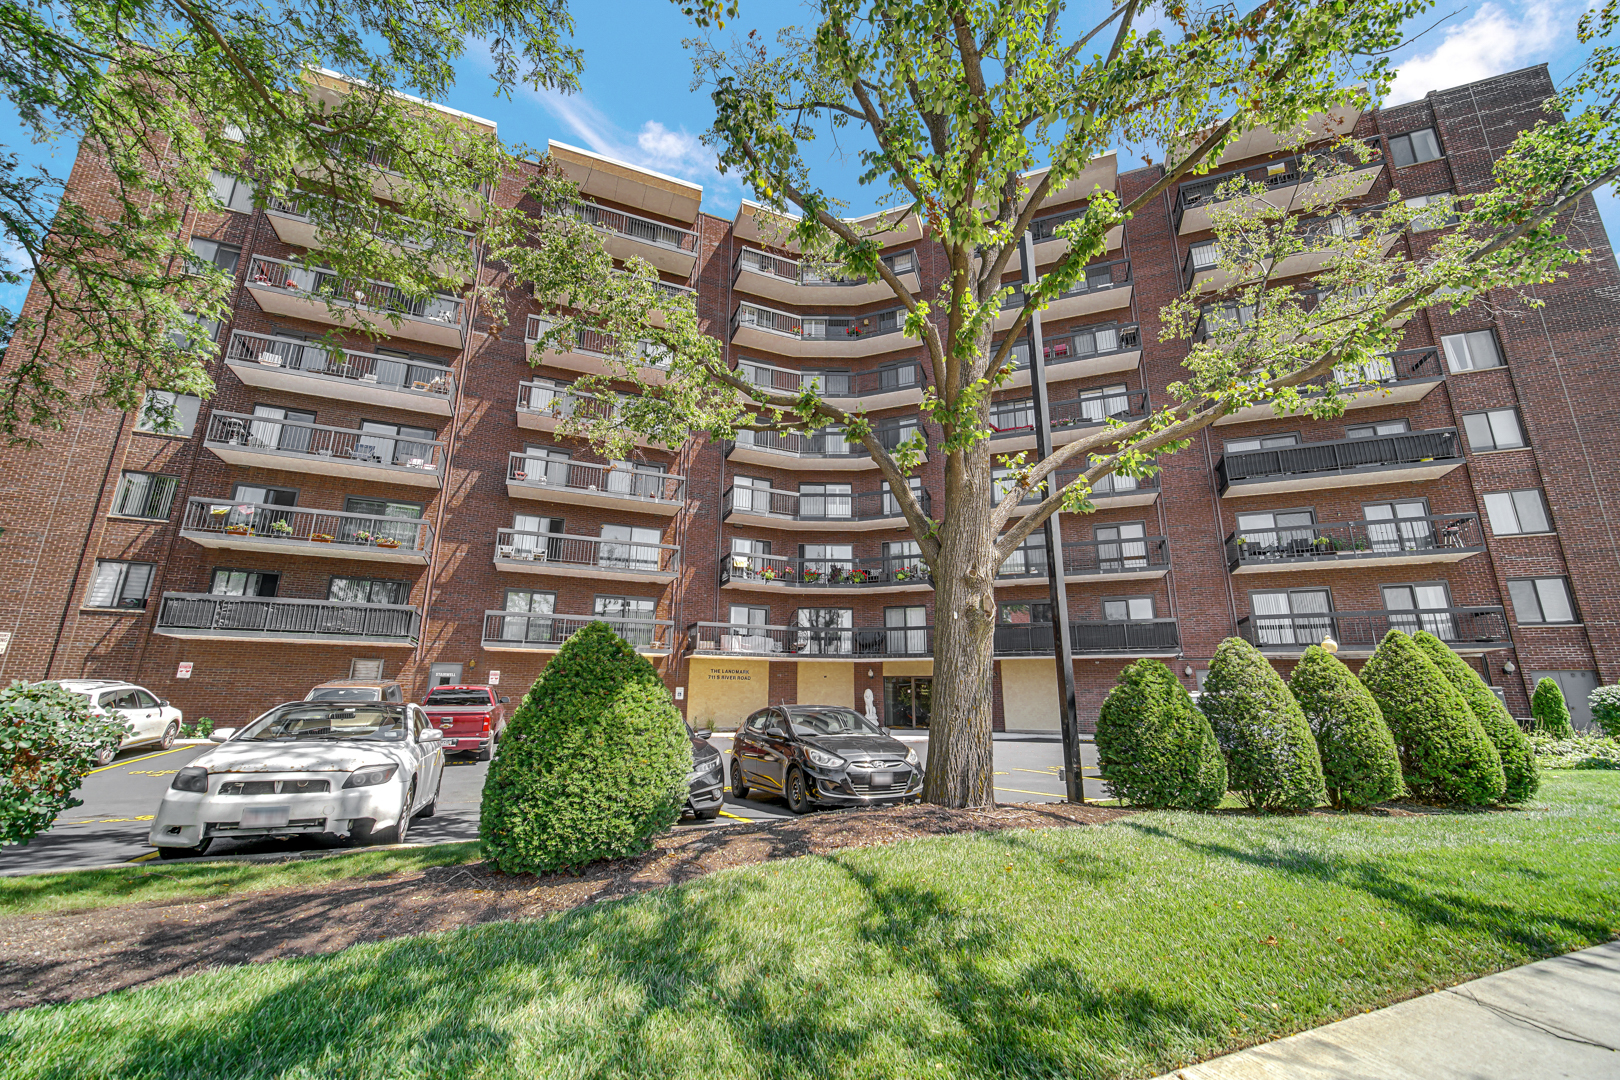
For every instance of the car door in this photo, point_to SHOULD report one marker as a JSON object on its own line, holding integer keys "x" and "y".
{"x": 151, "y": 723}
{"x": 748, "y": 747}
{"x": 776, "y": 746}
{"x": 430, "y": 756}
{"x": 128, "y": 708}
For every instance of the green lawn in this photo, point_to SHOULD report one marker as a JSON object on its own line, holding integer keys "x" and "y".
{"x": 1112, "y": 951}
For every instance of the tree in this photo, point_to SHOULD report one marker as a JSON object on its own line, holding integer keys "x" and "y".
{"x": 1360, "y": 765}
{"x": 593, "y": 764}
{"x": 1271, "y": 756}
{"x": 1446, "y": 757}
{"x": 1154, "y": 748}
{"x": 1518, "y": 757}
{"x": 1605, "y": 705}
{"x": 49, "y": 741}
{"x": 1547, "y": 705}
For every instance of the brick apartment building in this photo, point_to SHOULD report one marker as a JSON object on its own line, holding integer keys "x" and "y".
{"x": 412, "y": 511}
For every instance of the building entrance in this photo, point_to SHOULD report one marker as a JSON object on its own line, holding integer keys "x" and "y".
{"x": 906, "y": 700}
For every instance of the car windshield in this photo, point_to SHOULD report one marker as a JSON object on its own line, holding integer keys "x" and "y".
{"x": 830, "y": 722}
{"x": 307, "y": 721}
{"x": 345, "y": 693}
{"x": 446, "y": 696}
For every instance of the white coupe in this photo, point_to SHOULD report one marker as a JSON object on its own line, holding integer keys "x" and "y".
{"x": 357, "y": 771}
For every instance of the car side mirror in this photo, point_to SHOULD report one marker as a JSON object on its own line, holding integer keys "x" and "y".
{"x": 432, "y": 734}
{"x": 220, "y": 734}
{"x": 506, "y": 701}
{"x": 706, "y": 733}
{"x": 164, "y": 703}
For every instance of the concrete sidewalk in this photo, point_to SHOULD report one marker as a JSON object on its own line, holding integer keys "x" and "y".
{"x": 1555, "y": 1018}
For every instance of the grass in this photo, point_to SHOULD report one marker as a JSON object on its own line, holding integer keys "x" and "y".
{"x": 1119, "y": 951}
{"x": 79, "y": 889}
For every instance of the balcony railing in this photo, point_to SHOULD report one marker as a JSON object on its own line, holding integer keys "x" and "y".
{"x": 796, "y": 273}
{"x": 1284, "y": 172}
{"x": 818, "y": 327}
{"x": 323, "y": 285}
{"x": 634, "y": 226}
{"x": 751, "y": 639}
{"x": 344, "y": 532}
{"x": 546, "y": 633}
{"x": 820, "y": 445}
{"x": 562, "y": 474}
{"x": 562, "y": 402}
{"x": 388, "y": 226}
{"x": 274, "y": 617}
{"x": 1082, "y": 344}
{"x": 795, "y": 506}
{"x": 1317, "y": 233}
{"x": 1017, "y": 415}
{"x": 1145, "y": 636}
{"x": 296, "y": 438}
{"x": 1111, "y": 485}
{"x": 362, "y": 369}
{"x": 1437, "y": 534}
{"x": 595, "y": 343}
{"x": 1341, "y": 456}
{"x": 884, "y": 570}
{"x": 1392, "y": 368}
{"x": 1362, "y": 630}
{"x": 835, "y": 384}
{"x": 586, "y": 552}
{"x": 1099, "y": 277}
{"x": 1085, "y": 558}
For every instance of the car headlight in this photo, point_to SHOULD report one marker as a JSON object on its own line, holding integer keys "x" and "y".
{"x": 823, "y": 760}
{"x": 712, "y": 769}
{"x": 912, "y": 759}
{"x": 191, "y": 778}
{"x": 371, "y": 777}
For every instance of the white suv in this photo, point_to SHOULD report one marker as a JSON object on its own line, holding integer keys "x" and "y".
{"x": 149, "y": 720}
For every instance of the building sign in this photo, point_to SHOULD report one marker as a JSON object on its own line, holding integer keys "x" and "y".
{"x": 720, "y": 674}
{"x": 185, "y": 670}
{"x": 5, "y": 640}
{"x": 680, "y": 693}
{"x": 494, "y": 678}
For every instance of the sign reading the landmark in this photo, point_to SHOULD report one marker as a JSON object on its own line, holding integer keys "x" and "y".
{"x": 726, "y": 674}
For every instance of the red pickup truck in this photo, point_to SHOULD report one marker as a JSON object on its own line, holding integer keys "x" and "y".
{"x": 471, "y": 717}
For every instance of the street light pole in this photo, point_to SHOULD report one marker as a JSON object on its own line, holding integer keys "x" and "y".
{"x": 1074, "y": 781}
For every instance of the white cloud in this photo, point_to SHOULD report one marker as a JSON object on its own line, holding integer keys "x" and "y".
{"x": 673, "y": 151}
{"x": 1494, "y": 40}
{"x": 655, "y": 146}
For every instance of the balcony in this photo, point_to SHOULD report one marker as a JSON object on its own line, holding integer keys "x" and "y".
{"x": 260, "y": 442}
{"x": 777, "y": 277}
{"x": 1105, "y": 287}
{"x": 1201, "y": 270}
{"x": 889, "y": 387}
{"x": 1406, "y": 458}
{"x": 1290, "y": 182}
{"x": 604, "y": 178}
{"x": 1049, "y": 247}
{"x": 325, "y": 534}
{"x": 511, "y": 631}
{"x": 769, "y": 508}
{"x": 1148, "y": 637}
{"x": 667, "y": 247}
{"x": 802, "y": 643}
{"x": 1465, "y": 629}
{"x": 1143, "y": 559}
{"x": 1013, "y": 420}
{"x": 563, "y": 555}
{"x": 386, "y": 181}
{"x": 787, "y": 334}
{"x": 293, "y": 223}
{"x": 1080, "y": 354}
{"x": 273, "y": 618}
{"x": 1443, "y": 538}
{"x": 821, "y": 452}
{"x": 641, "y": 491}
{"x": 597, "y": 354}
{"x": 544, "y": 405}
{"x": 299, "y": 367}
{"x": 1395, "y": 378}
{"x": 282, "y": 288}
{"x": 1110, "y": 493}
{"x": 780, "y": 573}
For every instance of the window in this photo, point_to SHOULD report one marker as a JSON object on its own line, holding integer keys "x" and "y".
{"x": 826, "y": 560}
{"x": 1399, "y": 526}
{"x": 1096, "y": 405}
{"x": 892, "y": 435}
{"x": 1286, "y": 530}
{"x": 1121, "y": 547}
{"x": 526, "y": 621}
{"x": 206, "y": 253}
{"x": 1114, "y": 483}
{"x": 1428, "y": 219}
{"x": 211, "y": 328}
{"x": 750, "y": 493}
{"x": 1372, "y": 431}
{"x": 354, "y": 590}
{"x": 243, "y": 583}
{"x": 1497, "y": 429}
{"x": 404, "y": 529}
{"x": 825, "y": 630}
{"x": 265, "y": 496}
{"x": 1028, "y": 558}
{"x": 1473, "y": 351}
{"x": 1128, "y": 609}
{"x": 826, "y": 501}
{"x": 1541, "y": 600}
{"x": 1020, "y": 614}
{"x": 638, "y": 612}
{"x": 394, "y": 444}
{"x": 1429, "y": 604}
{"x": 1513, "y": 513}
{"x": 629, "y": 547}
{"x": 1295, "y": 617}
{"x": 166, "y": 413}
{"x": 233, "y": 192}
{"x": 527, "y": 536}
{"x": 365, "y": 669}
{"x": 293, "y": 437}
{"x": 1414, "y": 148}
{"x": 1265, "y": 442}
{"x": 906, "y": 630}
{"x": 119, "y": 584}
{"x": 145, "y": 495}
{"x": 543, "y": 465}
{"x": 891, "y": 505}
{"x": 899, "y": 376}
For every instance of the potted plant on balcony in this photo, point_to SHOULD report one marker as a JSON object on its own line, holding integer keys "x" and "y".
{"x": 519, "y": 474}
{"x": 768, "y": 574}
{"x": 322, "y": 538}
{"x": 281, "y": 528}
{"x": 387, "y": 542}
{"x": 362, "y": 537}
{"x": 239, "y": 529}
{"x": 810, "y": 575}
{"x": 901, "y": 574}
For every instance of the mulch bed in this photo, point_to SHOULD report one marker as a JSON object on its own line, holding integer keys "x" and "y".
{"x": 64, "y": 956}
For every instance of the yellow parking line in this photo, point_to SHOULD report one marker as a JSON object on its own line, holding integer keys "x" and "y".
{"x": 107, "y": 820}
{"x": 734, "y": 817}
{"x": 1022, "y": 791}
{"x": 143, "y": 858}
{"x": 133, "y": 761}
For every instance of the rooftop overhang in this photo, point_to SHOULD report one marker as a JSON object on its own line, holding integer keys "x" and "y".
{"x": 331, "y": 87}
{"x": 768, "y": 227}
{"x": 1100, "y": 172}
{"x": 1263, "y": 140}
{"x": 628, "y": 185}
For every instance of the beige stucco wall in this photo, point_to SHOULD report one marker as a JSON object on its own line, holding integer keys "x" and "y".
{"x": 1029, "y": 694}
{"x": 721, "y": 693}
{"x": 831, "y": 683}
{"x": 908, "y": 667}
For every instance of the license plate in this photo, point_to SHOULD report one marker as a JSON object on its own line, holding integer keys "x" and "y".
{"x": 265, "y": 817}
{"x": 882, "y": 779}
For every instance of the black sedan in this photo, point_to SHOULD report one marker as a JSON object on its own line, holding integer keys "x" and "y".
{"x": 822, "y": 755}
{"x": 707, "y": 780}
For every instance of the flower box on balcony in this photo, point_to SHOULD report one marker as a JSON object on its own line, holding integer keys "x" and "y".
{"x": 322, "y": 538}
{"x": 238, "y": 530}
{"x": 386, "y": 542}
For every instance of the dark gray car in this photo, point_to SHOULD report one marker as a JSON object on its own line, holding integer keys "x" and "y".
{"x": 822, "y": 755}
{"x": 706, "y": 783}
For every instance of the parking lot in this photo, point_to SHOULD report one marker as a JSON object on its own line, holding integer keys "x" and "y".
{"x": 120, "y": 799}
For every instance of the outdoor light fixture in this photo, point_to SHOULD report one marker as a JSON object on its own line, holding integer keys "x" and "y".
{"x": 1187, "y": 671}
{"x": 1329, "y": 644}
{"x": 868, "y": 673}
{"x": 1509, "y": 668}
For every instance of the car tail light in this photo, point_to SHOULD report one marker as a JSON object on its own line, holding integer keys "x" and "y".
{"x": 486, "y": 721}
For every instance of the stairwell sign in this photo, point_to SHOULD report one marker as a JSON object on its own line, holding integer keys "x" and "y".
{"x": 185, "y": 670}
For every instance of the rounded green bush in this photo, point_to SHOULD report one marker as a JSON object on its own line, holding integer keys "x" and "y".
{"x": 1605, "y": 703}
{"x": 1360, "y": 764}
{"x": 1446, "y": 757}
{"x": 1154, "y": 747}
{"x": 593, "y": 764}
{"x": 49, "y": 740}
{"x": 1271, "y": 756}
{"x": 1547, "y": 705}
{"x": 1512, "y": 745}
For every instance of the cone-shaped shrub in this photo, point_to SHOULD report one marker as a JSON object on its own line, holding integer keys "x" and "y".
{"x": 1271, "y": 757}
{"x": 1359, "y": 762}
{"x": 1446, "y": 757}
{"x": 1547, "y": 705}
{"x": 593, "y": 764}
{"x": 1153, "y": 745}
{"x": 1512, "y": 744}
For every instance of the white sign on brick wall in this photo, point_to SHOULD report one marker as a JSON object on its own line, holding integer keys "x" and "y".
{"x": 494, "y": 678}
{"x": 185, "y": 670}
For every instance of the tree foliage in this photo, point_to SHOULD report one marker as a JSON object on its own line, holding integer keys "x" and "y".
{"x": 49, "y": 740}
{"x": 1605, "y": 705}
{"x": 1550, "y": 709}
{"x": 1360, "y": 765}
{"x": 1513, "y": 746}
{"x": 1154, "y": 748}
{"x": 1271, "y": 756}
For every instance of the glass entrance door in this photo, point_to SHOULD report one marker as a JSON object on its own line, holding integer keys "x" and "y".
{"x": 907, "y": 700}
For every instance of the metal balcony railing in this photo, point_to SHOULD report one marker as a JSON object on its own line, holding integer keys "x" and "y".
{"x": 272, "y": 617}
{"x": 795, "y": 506}
{"x": 634, "y": 226}
{"x": 1340, "y": 456}
{"x": 344, "y": 531}
{"x": 835, "y": 384}
{"x": 1082, "y": 344}
{"x": 1113, "y": 484}
{"x": 1044, "y": 228}
{"x": 362, "y": 369}
{"x": 1284, "y": 172}
{"x": 586, "y": 552}
{"x": 818, "y": 327}
{"x": 1089, "y": 557}
{"x": 794, "y": 272}
{"x": 1144, "y": 636}
{"x": 379, "y": 157}
{"x": 819, "y": 445}
{"x": 530, "y": 630}
{"x": 562, "y": 402}
{"x": 1017, "y": 415}
{"x": 394, "y": 228}
{"x": 595, "y": 343}
{"x": 1362, "y": 630}
{"x": 1317, "y": 233}
{"x": 885, "y": 570}
{"x": 376, "y": 295}
{"x": 560, "y": 473}
{"x": 285, "y": 438}
{"x": 1100, "y": 277}
{"x": 752, "y": 639}
{"x": 1392, "y": 368}
{"x": 1354, "y": 540}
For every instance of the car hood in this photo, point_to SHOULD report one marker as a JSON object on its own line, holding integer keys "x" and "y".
{"x": 233, "y": 757}
{"x": 858, "y": 746}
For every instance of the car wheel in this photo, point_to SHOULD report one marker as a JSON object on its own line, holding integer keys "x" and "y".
{"x": 432, "y": 806}
{"x": 739, "y": 786}
{"x": 707, "y": 815}
{"x": 370, "y": 836}
{"x": 169, "y": 735}
{"x": 798, "y": 797}
{"x": 105, "y": 755}
{"x": 183, "y": 852}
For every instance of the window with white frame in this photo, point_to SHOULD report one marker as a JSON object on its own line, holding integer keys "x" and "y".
{"x": 145, "y": 495}
{"x": 1433, "y": 212}
{"x": 119, "y": 584}
{"x": 1543, "y": 600}
{"x": 1495, "y": 429}
{"x": 1514, "y": 513}
{"x": 233, "y": 192}
{"x": 1474, "y": 351}
{"x": 167, "y": 413}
